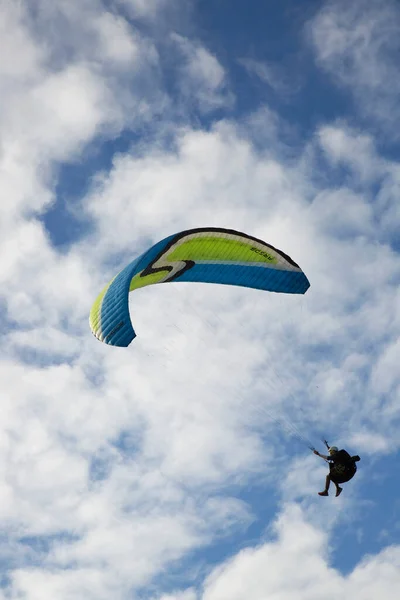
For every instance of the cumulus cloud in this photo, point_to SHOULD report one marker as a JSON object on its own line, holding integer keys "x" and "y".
{"x": 51, "y": 107}
{"x": 202, "y": 77}
{"x": 357, "y": 44}
{"x": 117, "y": 465}
{"x": 296, "y": 565}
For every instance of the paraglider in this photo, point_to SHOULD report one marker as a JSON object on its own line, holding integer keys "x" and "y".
{"x": 208, "y": 255}
{"x": 342, "y": 468}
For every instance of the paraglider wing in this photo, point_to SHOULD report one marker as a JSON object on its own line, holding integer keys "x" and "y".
{"x": 209, "y": 255}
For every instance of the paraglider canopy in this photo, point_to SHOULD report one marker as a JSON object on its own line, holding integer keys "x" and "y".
{"x": 209, "y": 255}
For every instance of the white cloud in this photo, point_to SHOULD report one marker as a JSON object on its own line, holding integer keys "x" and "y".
{"x": 117, "y": 40}
{"x": 271, "y": 74}
{"x": 296, "y": 565}
{"x": 384, "y": 376}
{"x": 53, "y": 107}
{"x": 369, "y": 442}
{"x": 343, "y": 213}
{"x": 353, "y": 150}
{"x": 15, "y": 42}
{"x": 202, "y": 78}
{"x": 148, "y": 9}
{"x": 358, "y": 43}
{"x": 187, "y": 595}
{"x": 116, "y": 464}
{"x": 193, "y": 437}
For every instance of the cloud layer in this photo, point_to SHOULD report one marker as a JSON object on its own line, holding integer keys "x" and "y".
{"x": 120, "y": 468}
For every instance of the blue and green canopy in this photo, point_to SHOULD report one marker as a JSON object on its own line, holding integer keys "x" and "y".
{"x": 208, "y": 255}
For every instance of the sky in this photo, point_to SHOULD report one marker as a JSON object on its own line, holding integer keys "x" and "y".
{"x": 179, "y": 468}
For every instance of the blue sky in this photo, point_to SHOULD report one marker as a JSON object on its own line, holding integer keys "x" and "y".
{"x": 166, "y": 471}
